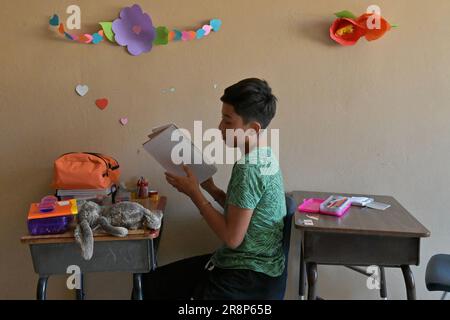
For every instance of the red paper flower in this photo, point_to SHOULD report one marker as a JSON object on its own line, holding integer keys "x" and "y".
{"x": 347, "y": 32}
{"x": 348, "y": 28}
{"x": 375, "y": 33}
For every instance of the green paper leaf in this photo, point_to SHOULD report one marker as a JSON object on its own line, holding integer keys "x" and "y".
{"x": 345, "y": 14}
{"x": 394, "y": 26}
{"x": 107, "y": 29}
{"x": 162, "y": 36}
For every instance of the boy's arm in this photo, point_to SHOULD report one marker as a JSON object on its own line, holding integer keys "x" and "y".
{"x": 218, "y": 195}
{"x": 231, "y": 229}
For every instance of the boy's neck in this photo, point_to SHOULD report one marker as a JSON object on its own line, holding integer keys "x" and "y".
{"x": 251, "y": 145}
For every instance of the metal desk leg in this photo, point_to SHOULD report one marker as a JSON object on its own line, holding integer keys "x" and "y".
{"x": 383, "y": 288}
{"x": 152, "y": 255}
{"x": 409, "y": 281}
{"x": 41, "y": 293}
{"x": 311, "y": 269}
{"x": 80, "y": 292}
{"x": 302, "y": 276}
{"x": 137, "y": 287}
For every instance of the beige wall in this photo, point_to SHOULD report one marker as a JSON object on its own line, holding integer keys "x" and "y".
{"x": 368, "y": 119}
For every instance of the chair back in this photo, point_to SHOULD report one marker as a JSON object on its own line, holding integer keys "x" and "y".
{"x": 290, "y": 211}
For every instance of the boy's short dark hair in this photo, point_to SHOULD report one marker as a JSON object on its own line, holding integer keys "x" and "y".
{"x": 253, "y": 100}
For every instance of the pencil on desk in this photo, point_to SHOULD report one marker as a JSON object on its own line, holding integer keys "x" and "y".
{"x": 339, "y": 203}
{"x": 331, "y": 204}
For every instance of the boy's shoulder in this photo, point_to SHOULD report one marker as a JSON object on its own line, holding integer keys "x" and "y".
{"x": 259, "y": 163}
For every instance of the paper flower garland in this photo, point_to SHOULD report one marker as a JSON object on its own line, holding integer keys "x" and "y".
{"x": 134, "y": 30}
{"x": 347, "y": 29}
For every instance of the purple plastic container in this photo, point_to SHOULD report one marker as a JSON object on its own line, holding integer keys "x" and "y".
{"x": 56, "y": 225}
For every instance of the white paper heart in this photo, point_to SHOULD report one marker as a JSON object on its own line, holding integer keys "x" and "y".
{"x": 124, "y": 121}
{"x": 82, "y": 90}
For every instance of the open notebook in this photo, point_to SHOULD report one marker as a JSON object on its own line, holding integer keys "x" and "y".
{"x": 160, "y": 147}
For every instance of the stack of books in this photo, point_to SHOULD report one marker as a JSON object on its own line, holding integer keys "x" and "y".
{"x": 101, "y": 196}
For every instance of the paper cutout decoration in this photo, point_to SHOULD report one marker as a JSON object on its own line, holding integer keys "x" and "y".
{"x": 216, "y": 24}
{"x": 345, "y": 14}
{"x": 96, "y": 38}
{"x": 68, "y": 36}
{"x": 124, "y": 121}
{"x": 171, "y": 90}
{"x": 54, "y": 21}
{"x": 188, "y": 35}
{"x": 82, "y": 90}
{"x": 88, "y": 38}
{"x": 107, "y": 29}
{"x": 178, "y": 35}
{"x": 347, "y": 29}
{"x": 102, "y": 103}
{"x": 200, "y": 33}
{"x": 162, "y": 36}
{"x": 207, "y": 29}
{"x": 134, "y": 30}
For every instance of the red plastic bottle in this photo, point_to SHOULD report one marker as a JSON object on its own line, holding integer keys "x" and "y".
{"x": 142, "y": 186}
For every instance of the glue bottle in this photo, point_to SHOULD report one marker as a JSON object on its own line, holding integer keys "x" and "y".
{"x": 142, "y": 188}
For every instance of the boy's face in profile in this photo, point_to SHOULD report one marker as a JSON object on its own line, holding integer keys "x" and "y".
{"x": 232, "y": 121}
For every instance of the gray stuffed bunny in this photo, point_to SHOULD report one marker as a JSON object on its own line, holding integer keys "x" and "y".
{"x": 115, "y": 220}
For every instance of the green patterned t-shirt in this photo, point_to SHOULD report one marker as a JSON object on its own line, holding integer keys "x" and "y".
{"x": 256, "y": 183}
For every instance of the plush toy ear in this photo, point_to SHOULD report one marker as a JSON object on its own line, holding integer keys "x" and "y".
{"x": 153, "y": 219}
{"x": 85, "y": 238}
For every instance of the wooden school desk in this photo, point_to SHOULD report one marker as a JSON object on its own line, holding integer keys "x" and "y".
{"x": 363, "y": 237}
{"x": 136, "y": 254}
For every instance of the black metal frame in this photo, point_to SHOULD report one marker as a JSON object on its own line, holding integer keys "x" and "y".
{"x": 137, "y": 293}
{"x": 401, "y": 253}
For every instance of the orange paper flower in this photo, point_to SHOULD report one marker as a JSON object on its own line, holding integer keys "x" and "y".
{"x": 374, "y": 33}
{"x": 348, "y": 29}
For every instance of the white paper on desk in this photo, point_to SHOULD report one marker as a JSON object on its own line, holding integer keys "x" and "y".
{"x": 361, "y": 201}
{"x": 378, "y": 206}
{"x": 160, "y": 147}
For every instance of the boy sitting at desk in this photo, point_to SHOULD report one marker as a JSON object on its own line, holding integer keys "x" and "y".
{"x": 251, "y": 262}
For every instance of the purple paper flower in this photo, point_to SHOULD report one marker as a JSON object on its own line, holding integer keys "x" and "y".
{"x": 134, "y": 29}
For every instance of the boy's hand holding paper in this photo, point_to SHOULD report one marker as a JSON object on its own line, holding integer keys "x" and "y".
{"x": 161, "y": 146}
{"x": 188, "y": 185}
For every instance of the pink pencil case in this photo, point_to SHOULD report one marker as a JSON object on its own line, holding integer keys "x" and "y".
{"x": 321, "y": 206}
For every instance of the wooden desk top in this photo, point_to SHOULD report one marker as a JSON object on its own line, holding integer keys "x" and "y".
{"x": 100, "y": 236}
{"x": 395, "y": 221}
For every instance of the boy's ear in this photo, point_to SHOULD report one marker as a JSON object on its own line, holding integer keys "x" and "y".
{"x": 255, "y": 126}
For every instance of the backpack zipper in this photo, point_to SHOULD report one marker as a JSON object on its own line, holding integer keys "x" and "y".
{"x": 107, "y": 161}
{"x": 108, "y": 166}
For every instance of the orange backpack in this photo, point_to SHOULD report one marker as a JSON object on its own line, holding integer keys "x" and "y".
{"x": 85, "y": 171}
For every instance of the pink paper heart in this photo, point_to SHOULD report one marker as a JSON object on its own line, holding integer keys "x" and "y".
{"x": 137, "y": 29}
{"x": 185, "y": 36}
{"x": 89, "y": 38}
{"x": 207, "y": 29}
{"x": 124, "y": 121}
